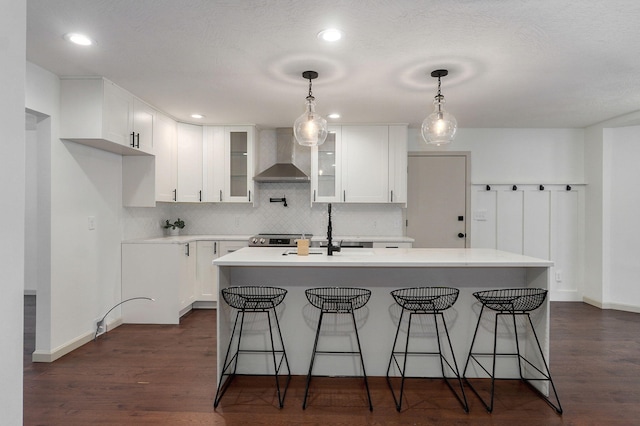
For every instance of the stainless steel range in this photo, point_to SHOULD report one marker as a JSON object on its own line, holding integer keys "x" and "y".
{"x": 276, "y": 240}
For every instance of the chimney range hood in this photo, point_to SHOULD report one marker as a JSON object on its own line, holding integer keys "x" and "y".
{"x": 284, "y": 170}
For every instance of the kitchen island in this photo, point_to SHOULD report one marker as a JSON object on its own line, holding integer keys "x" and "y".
{"x": 381, "y": 271}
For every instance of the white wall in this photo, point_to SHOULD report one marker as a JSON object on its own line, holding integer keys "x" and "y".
{"x": 535, "y": 156}
{"x": 624, "y": 233}
{"x": 610, "y": 148}
{"x": 12, "y": 204}
{"x": 84, "y": 265}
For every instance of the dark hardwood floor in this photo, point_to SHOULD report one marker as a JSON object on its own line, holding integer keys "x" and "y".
{"x": 155, "y": 374}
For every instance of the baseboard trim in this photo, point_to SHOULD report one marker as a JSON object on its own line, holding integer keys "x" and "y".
{"x": 62, "y": 350}
{"x": 205, "y": 305}
{"x": 613, "y": 306}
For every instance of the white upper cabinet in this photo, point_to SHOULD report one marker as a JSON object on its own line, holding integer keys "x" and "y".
{"x": 229, "y": 164}
{"x": 326, "y": 179}
{"x": 166, "y": 150}
{"x": 361, "y": 164}
{"x": 189, "y": 163}
{"x": 365, "y": 164}
{"x": 142, "y": 132}
{"x": 98, "y": 113}
{"x": 398, "y": 141}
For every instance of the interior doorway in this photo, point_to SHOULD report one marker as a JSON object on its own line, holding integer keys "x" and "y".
{"x": 438, "y": 199}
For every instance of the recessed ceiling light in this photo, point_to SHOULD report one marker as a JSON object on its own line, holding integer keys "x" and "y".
{"x": 80, "y": 39}
{"x": 197, "y": 116}
{"x": 330, "y": 35}
{"x": 334, "y": 115}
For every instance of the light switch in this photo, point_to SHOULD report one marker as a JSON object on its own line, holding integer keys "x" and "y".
{"x": 480, "y": 215}
{"x": 91, "y": 223}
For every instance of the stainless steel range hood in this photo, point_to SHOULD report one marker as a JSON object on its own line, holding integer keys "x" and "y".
{"x": 284, "y": 170}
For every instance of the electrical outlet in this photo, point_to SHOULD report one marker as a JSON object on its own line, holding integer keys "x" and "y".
{"x": 237, "y": 221}
{"x": 375, "y": 224}
{"x": 558, "y": 276}
{"x": 91, "y": 223}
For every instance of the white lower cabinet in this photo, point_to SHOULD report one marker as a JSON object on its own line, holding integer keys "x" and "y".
{"x": 206, "y": 273}
{"x": 176, "y": 276}
{"x": 163, "y": 272}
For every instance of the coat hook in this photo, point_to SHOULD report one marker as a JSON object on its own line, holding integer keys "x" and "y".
{"x": 568, "y": 187}
{"x": 514, "y": 188}
{"x": 541, "y": 187}
{"x": 488, "y": 188}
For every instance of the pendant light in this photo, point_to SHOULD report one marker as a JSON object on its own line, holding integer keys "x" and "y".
{"x": 439, "y": 127}
{"x": 310, "y": 129}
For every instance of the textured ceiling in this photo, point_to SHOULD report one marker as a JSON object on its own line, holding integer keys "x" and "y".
{"x": 516, "y": 63}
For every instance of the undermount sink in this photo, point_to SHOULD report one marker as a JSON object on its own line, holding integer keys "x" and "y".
{"x": 353, "y": 252}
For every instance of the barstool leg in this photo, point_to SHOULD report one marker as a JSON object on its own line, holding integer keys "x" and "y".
{"x": 284, "y": 358}
{"x": 443, "y": 360}
{"x": 391, "y": 359}
{"x": 558, "y": 407}
{"x": 221, "y": 390}
{"x": 313, "y": 357}
{"x": 488, "y": 407}
{"x": 364, "y": 373}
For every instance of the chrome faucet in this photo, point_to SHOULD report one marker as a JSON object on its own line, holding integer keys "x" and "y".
{"x": 330, "y": 247}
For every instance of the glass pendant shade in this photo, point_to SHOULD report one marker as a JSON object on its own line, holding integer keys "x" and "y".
{"x": 310, "y": 129}
{"x": 439, "y": 127}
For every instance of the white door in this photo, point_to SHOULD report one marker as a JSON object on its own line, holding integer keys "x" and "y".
{"x": 437, "y": 200}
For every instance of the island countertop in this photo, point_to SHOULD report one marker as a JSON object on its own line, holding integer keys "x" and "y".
{"x": 380, "y": 257}
{"x": 381, "y": 270}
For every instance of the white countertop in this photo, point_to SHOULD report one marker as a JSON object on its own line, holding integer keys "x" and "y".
{"x": 183, "y": 239}
{"x": 379, "y": 257}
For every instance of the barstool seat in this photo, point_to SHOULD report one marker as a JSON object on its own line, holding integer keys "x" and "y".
{"x": 425, "y": 301}
{"x": 254, "y": 299}
{"x": 337, "y": 300}
{"x": 513, "y": 302}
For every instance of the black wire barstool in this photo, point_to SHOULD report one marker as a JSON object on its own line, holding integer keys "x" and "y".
{"x": 512, "y": 302}
{"x": 254, "y": 299}
{"x": 425, "y": 301}
{"x": 337, "y": 300}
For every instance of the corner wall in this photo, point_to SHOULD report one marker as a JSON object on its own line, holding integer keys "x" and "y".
{"x": 12, "y": 205}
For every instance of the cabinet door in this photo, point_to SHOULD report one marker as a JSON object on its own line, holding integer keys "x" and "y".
{"x": 398, "y": 140}
{"x": 206, "y": 274}
{"x": 143, "y": 118}
{"x": 118, "y": 114}
{"x": 189, "y": 163}
{"x": 227, "y": 247}
{"x": 166, "y": 150}
{"x": 239, "y": 164}
{"x": 188, "y": 276}
{"x": 365, "y": 164}
{"x": 326, "y": 181}
{"x": 213, "y": 167}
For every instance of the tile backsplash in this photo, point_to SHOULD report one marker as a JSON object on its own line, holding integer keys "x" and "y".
{"x": 266, "y": 217}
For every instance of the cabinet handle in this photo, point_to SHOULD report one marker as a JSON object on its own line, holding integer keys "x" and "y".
{"x": 344, "y": 196}
{"x": 392, "y": 195}
{"x": 221, "y": 195}
{"x": 133, "y": 140}
{"x": 137, "y": 140}
{"x": 314, "y": 195}
{"x": 215, "y": 247}
{"x": 200, "y": 195}
{"x": 175, "y": 195}
{"x": 249, "y": 195}
{"x": 186, "y": 246}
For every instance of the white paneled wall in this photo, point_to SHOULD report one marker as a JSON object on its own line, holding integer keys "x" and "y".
{"x": 543, "y": 222}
